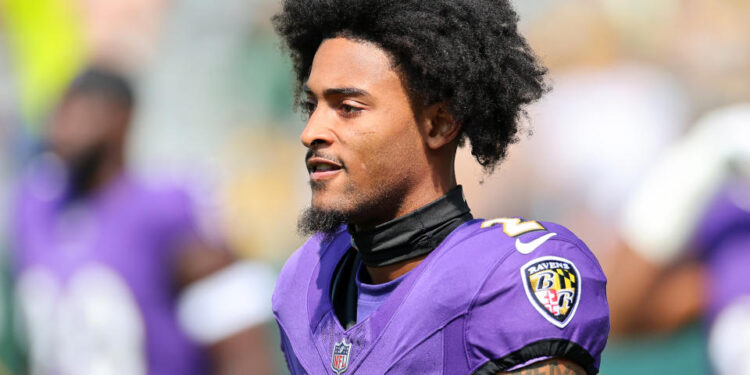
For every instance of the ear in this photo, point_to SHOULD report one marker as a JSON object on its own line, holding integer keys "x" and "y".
{"x": 441, "y": 128}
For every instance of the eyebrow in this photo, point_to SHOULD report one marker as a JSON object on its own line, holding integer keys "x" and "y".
{"x": 347, "y": 91}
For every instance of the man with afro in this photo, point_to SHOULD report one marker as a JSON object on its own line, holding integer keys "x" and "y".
{"x": 398, "y": 277}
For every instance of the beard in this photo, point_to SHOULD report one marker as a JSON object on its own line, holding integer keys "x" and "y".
{"x": 83, "y": 169}
{"x": 358, "y": 208}
{"x": 316, "y": 220}
{"x": 326, "y": 221}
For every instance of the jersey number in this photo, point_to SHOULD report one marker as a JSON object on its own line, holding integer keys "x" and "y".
{"x": 514, "y": 227}
{"x": 90, "y": 325}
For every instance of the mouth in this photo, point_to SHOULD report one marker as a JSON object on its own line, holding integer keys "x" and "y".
{"x": 322, "y": 169}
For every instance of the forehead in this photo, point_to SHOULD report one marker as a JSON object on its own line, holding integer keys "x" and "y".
{"x": 85, "y": 110}
{"x": 86, "y": 101}
{"x": 342, "y": 62}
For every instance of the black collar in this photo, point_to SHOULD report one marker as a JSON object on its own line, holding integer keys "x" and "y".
{"x": 414, "y": 234}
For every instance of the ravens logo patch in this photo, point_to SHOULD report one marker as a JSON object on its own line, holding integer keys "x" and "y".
{"x": 553, "y": 285}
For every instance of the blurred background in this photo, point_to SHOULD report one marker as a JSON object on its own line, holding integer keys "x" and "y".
{"x": 632, "y": 80}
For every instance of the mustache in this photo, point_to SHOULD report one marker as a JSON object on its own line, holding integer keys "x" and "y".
{"x": 322, "y": 155}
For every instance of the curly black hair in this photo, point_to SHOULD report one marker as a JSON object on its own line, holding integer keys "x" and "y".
{"x": 467, "y": 53}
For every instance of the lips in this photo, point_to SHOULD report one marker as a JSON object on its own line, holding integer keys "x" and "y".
{"x": 321, "y": 168}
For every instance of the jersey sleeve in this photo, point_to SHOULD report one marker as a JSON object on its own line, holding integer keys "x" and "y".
{"x": 547, "y": 303}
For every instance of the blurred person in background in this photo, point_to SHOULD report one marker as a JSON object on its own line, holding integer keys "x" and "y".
{"x": 112, "y": 274}
{"x": 686, "y": 248}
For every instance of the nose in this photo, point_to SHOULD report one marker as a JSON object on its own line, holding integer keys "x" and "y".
{"x": 317, "y": 133}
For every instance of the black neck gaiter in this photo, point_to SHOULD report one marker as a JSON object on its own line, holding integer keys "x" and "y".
{"x": 412, "y": 235}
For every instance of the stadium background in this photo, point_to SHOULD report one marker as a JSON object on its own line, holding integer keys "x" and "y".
{"x": 215, "y": 111}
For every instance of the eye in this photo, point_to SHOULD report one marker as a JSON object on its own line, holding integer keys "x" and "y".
{"x": 349, "y": 110}
{"x": 308, "y": 107}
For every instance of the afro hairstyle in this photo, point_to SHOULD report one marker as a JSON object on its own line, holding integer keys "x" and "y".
{"x": 466, "y": 53}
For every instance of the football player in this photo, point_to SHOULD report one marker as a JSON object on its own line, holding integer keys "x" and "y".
{"x": 687, "y": 237}
{"x": 398, "y": 277}
{"x": 111, "y": 274}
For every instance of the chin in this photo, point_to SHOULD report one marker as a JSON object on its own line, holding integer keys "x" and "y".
{"x": 329, "y": 201}
{"x": 322, "y": 200}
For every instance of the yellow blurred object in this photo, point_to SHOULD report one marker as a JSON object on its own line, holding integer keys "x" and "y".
{"x": 47, "y": 50}
{"x": 260, "y": 197}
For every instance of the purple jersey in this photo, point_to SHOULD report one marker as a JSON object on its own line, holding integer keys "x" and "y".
{"x": 495, "y": 295}
{"x": 722, "y": 243}
{"x": 371, "y": 296}
{"x": 94, "y": 279}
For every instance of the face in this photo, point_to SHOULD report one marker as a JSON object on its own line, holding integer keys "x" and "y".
{"x": 365, "y": 145}
{"x": 83, "y": 125}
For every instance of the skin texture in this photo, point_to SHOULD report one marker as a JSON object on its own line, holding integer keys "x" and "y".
{"x": 553, "y": 366}
{"x": 91, "y": 130}
{"x": 393, "y": 158}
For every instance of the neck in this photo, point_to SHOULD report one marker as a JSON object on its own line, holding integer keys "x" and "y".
{"x": 394, "y": 248}
{"x": 107, "y": 173}
{"x": 87, "y": 182}
{"x": 421, "y": 195}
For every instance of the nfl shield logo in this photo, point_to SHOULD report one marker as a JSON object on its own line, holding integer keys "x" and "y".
{"x": 340, "y": 360}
